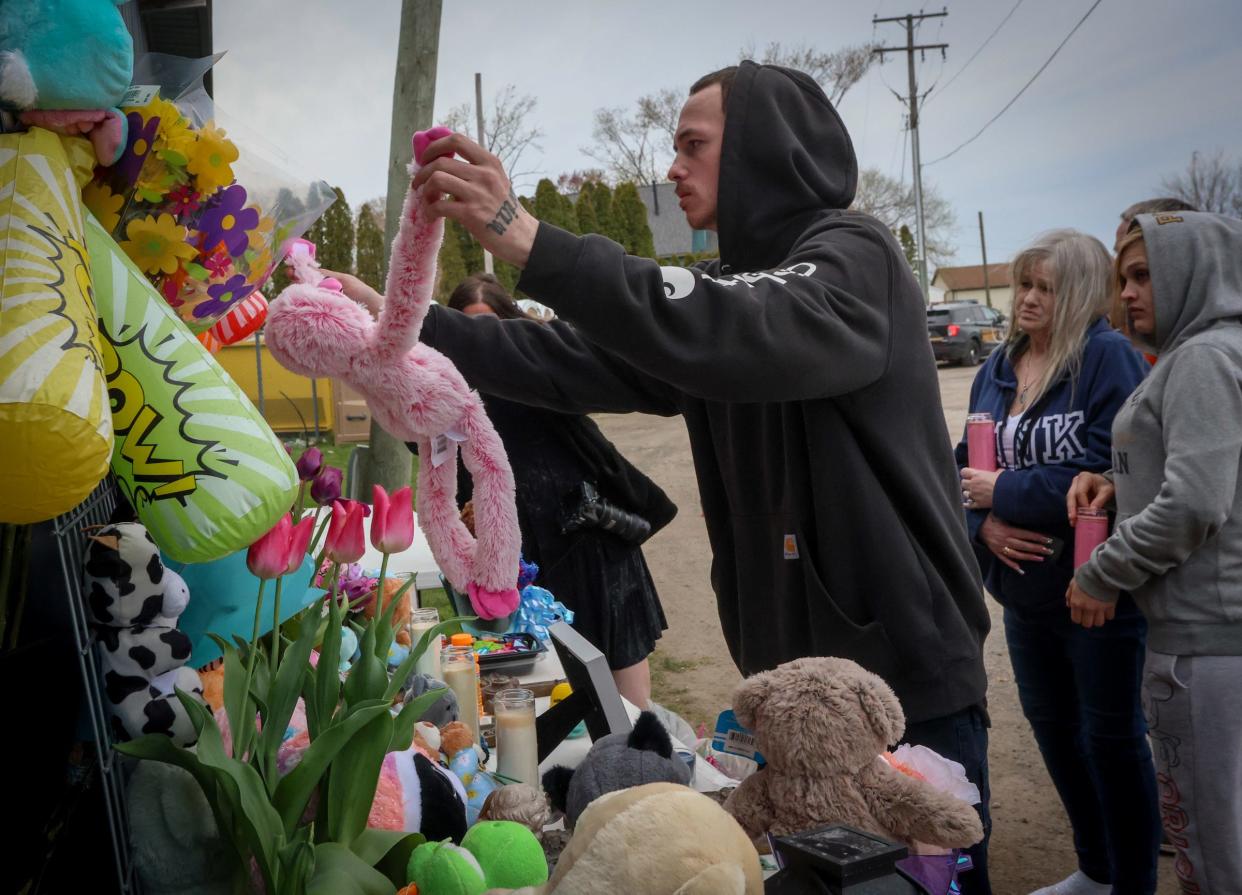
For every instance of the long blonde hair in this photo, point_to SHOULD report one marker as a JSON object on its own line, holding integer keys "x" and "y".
{"x": 1081, "y": 276}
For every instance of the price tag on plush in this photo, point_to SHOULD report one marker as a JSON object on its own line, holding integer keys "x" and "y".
{"x": 55, "y": 429}
{"x": 203, "y": 469}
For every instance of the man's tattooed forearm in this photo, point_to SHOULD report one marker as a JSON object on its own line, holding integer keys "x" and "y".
{"x": 504, "y": 217}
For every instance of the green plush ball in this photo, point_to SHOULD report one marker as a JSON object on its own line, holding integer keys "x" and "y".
{"x": 441, "y": 868}
{"x": 509, "y": 853}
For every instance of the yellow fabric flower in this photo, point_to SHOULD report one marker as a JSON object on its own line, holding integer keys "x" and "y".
{"x": 157, "y": 245}
{"x": 211, "y": 159}
{"x": 104, "y": 204}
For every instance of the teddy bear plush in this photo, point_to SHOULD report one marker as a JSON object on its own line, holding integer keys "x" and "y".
{"x": 822, "y": 724}
{"x": 617, "y": 761}
{"x": 134, "y": 604}
{"x": 656, "y": 839}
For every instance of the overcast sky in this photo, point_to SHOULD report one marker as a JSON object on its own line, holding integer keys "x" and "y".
{"x": 1140, "y": 86}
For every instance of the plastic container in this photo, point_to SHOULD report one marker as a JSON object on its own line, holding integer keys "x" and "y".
{"x": 1090, "y": 531}
{"x": 980, "y": 442}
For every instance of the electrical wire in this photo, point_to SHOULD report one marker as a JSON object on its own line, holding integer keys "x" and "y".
{"x": 1048, "y": 62}
{"x": 975, "y": 56}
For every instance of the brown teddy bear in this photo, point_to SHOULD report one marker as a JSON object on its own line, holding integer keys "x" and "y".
{"x": 822, "y": 724}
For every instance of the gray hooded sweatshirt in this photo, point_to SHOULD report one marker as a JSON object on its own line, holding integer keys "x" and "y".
{"x": 1177, "y": 447}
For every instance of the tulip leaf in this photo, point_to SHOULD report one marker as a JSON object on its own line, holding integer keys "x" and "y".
{"x": 283, "y": 696}
{"x": 338, "y": 871}
{"x": 355, "y": 774}
{"x": 328, "y": 680}
{"x": 297, "y": 865}
{"x": 294, "y": 790}
{"x": 260, "y": 823}
{"x": 236, "y": 705}
{"x": 388, "y": 851}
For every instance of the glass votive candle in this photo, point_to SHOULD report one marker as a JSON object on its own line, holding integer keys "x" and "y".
{"x": 517, "y": 749}
{"x": 421, "y": 621}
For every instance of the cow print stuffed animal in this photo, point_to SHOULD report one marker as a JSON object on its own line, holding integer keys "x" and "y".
{"x": 134, "y": 602}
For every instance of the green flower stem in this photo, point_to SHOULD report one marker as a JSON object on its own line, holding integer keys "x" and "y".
{"x": 243, "y": 736}
{"x": 379, "y": 587}
{"x": 315, "y": 540}
{"x": 275, "y": 656}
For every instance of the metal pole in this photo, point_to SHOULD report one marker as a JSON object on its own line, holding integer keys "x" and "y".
{"x": 983, "y": 247}
{"x": 258, "y": 371}
{"x": 918, "y": 168}
{"x": 315, "y": 404}
{"x": 488, "y": 266}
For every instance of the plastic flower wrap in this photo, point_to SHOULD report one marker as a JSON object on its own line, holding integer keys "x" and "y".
{"x": 205, "y": 219}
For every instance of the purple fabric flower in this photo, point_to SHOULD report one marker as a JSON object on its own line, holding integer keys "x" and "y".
{"x": 227, "y": 220}
{"x": 223, "y": 296}
{"x": 137, "y": 147}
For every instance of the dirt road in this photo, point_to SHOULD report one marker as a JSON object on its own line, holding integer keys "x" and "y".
{"x": 693, "y": 674}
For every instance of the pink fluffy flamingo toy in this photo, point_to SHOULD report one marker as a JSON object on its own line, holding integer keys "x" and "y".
{"x": 416, "y": 394}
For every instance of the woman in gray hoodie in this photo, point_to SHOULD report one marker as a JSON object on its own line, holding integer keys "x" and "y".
{"x": 1177, "y": 543}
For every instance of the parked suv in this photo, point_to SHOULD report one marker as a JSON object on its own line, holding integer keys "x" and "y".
{"x": 964, "y": 332}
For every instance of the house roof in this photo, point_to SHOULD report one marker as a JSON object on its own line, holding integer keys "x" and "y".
{"x": 954, "y": 279}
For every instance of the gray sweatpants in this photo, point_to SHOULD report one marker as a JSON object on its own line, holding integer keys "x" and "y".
{"x": 1194, "y": 711}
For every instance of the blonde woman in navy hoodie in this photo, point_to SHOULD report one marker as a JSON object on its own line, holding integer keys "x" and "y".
{"x": 1177, "y": 544}
{"x": 1052, "y": 390}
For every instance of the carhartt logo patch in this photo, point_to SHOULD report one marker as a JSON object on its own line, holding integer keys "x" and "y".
{"x": 1169, "y": 219}
{"x": 791, "y": 546}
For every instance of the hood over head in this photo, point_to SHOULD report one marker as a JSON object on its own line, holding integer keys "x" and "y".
{"x": 785, "y": 156}
{"x": 1195, "y": 260}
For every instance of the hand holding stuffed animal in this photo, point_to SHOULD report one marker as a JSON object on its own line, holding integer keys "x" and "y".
{"x": 417, "y": 395}
{"x": 822, "y": 724}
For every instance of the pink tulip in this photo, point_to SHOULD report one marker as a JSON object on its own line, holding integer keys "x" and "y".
{"x": 268, "y": 557}
{"x": 345, "y": 542}
{"x": 299, "y": 540}
{"x": 392, "y": 528}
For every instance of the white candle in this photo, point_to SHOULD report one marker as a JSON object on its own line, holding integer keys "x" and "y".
{"x": 517, "y": 749}
{"x": 459, "y": 674}
{"x": 422, "y": 620}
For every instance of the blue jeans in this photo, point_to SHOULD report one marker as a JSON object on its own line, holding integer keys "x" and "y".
{"x": 1080, "y": 689}
{"x": 963, "y": 737}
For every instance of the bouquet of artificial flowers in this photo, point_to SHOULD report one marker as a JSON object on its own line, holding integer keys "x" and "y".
{"x": 174, "y": 202}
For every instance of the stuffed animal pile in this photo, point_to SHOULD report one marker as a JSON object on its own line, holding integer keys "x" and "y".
{"x": 134, "y": 603}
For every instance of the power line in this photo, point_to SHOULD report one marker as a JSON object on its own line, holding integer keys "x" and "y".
{"x": 992, "y": 120}
{"x": 995, "y": 31}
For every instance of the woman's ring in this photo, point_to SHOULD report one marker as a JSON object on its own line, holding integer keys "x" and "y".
{"x": 1005, "y": 550}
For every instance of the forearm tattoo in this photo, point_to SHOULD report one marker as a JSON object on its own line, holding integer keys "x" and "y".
{"x": 504, "y": 217}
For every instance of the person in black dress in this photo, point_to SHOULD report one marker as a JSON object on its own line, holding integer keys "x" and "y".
{"x": 601, "y": 576}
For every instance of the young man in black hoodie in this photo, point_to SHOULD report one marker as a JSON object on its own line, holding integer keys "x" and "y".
{"x": 801, "y": 365}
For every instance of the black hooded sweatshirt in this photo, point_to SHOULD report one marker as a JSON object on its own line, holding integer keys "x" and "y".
{"x": 801, "y": 365}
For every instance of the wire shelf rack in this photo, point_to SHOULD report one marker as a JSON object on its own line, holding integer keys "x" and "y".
{"x": 69, "y": 532}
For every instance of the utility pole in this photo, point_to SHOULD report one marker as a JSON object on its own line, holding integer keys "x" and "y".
{"x": 983, "y": 246}
{"x": 478, "y": 111}
{"x": 909, "y": 48}
{"x": 387, "y": 461}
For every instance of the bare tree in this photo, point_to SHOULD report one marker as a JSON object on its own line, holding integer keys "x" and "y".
{"x": 628, "y": 146}
{"x": 892, "y": 203}
{"x": 836, "y": 71}
{"x": 507, "y": 132}
{"x": 1209, "y": 184}
{"x": 573, "y": 181}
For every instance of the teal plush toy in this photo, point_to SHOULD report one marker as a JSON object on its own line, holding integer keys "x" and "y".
{"x": 495, "y": 854}
{"x": 65, "y": 65}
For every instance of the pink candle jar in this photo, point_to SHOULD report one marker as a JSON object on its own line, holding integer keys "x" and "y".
{"x": 1090, "y": 531}
{"x": 980, "y": 442}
